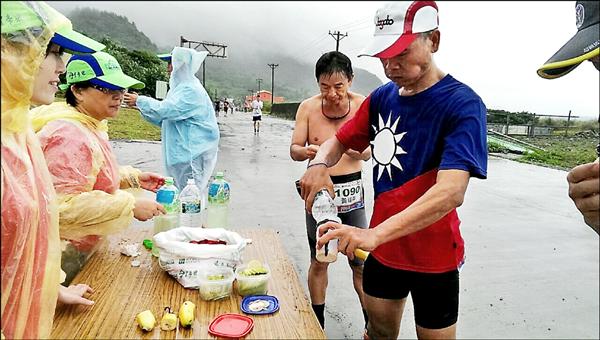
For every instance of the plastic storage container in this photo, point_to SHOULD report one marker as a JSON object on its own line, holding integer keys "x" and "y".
{"x": 252, "y": 284}
{"x": 214, "y": 289}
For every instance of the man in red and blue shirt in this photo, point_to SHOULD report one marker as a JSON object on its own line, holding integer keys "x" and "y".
{"x": 427, "y": 133}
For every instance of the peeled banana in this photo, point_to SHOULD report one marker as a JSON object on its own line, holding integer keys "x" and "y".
{"x": 186, "y": 313}
{"x": 146, "y": 320}
{"x": 168, "y": 321}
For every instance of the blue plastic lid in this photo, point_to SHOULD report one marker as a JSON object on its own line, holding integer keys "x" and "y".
{"x": 273, "y": 304}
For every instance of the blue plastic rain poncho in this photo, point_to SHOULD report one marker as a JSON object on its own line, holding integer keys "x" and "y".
{"x": 189, "y": 130}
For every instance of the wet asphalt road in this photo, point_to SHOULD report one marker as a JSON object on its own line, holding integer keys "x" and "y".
{"x": 532, "y": 264}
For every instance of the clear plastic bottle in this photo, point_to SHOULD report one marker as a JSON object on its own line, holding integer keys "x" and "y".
{"x": 167, "y": 196}
{"x": 325, "y": 210}
{"x": 218, "y": 202}
{"x": 191, "y": 205}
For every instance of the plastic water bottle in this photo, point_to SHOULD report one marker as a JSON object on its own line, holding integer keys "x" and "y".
{"x": 191, "y": 205}
{"x": 167, "y": 196}
{"x": 218, "y": 202}
{"x": 325, "y": 210}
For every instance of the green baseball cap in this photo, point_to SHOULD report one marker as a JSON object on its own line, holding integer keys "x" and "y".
{"x": 19, "y": 17}
{"x": 100, "y": 69}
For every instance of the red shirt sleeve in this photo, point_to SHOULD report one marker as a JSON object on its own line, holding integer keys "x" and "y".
{"x": 354, "y": 134}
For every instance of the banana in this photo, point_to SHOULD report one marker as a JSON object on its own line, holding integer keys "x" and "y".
{"x": 168, "y": 321}
{"x": 146, "y": 320}
{"x": 186, "y": 313}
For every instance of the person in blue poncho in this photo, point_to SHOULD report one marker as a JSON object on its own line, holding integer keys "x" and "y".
{"x": 189, "y": 130}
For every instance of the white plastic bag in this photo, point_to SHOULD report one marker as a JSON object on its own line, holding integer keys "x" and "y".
{"x": 185, "y": 261}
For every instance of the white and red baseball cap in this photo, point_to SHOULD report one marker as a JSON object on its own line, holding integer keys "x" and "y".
{"x": 397, "y": 24}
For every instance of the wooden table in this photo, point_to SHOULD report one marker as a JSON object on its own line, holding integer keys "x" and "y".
{"x": 122, "y": 291}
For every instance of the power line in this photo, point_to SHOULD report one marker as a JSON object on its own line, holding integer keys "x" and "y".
{"x": 312, "y": 42}
{"x": 312, "y": 48}
{"x": 360, "y": 28}
{"x": 359, "y": 22}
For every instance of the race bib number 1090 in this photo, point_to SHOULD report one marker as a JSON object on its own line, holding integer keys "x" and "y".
{"x": 348, "y": 196}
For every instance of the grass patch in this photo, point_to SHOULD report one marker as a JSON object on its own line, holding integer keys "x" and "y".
{"x": 562, "y": 152}
{"x": 129, "y": 124}
{"x": 497, "y": 148}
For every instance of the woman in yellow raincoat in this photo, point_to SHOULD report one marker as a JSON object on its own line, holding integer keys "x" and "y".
{"x": 85, "y": 173}
{"x": 33, "y": 38}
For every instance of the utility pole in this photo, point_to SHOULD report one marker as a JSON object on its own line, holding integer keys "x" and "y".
{"x": 337, "y": 36}
{"x": 259, "y": 80}
{"x": 272, "y": 66}
{"x": 568, "y": 121}
{"x": 214, "y": 50}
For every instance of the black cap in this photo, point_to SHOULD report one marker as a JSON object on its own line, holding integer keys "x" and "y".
{"x": 581, "y": 47}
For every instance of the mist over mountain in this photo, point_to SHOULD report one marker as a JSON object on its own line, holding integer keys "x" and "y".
{"x": 247, "y": 55}
{"x": 98, "y": 24}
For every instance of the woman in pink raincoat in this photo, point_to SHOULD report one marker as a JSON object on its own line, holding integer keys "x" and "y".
{"x": 34, "y": 37}
{"x": 88, "y": 181}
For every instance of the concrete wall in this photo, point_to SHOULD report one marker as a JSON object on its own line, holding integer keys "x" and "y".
{"x": 285, "y": 110}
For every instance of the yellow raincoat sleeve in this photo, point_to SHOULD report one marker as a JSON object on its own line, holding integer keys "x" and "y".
{"x": 74, "y": 162}
{"x": 30, "y": 244}
{"x": 129, "y": 177}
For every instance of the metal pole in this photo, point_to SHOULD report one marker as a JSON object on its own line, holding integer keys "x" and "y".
{"x": 272, "y": 66}
{"x": 568, "y": 121}
{"x": 272, "y": 87}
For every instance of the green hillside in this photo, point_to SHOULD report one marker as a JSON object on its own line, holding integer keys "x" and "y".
{"x": 100, "y": 24}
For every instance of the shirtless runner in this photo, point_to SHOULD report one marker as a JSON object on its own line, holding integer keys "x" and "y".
{"x": 317, "y": 119}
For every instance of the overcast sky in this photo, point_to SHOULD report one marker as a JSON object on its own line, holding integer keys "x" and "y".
{"x": 494, "y": 47}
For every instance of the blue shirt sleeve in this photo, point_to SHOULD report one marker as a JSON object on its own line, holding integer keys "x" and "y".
{"x": 465, "y": 144}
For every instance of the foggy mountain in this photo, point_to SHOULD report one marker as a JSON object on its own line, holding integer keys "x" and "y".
{"x": 248, "y": 56}
{"x": 113, "y": 25}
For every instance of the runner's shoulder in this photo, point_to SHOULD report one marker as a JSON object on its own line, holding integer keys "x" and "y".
{"x": 310, "y": 105}
{"x": 356, "y": 96}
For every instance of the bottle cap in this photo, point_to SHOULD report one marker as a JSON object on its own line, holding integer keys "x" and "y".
{"x": 191, "y": 181}
{"x": 219, "y": 174}
{"x": 169, "y": 180}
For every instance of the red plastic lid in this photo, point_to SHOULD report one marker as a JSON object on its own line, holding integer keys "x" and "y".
{"x": 231, "y": 325}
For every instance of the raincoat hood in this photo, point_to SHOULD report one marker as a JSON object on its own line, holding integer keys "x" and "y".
{"x": 186, "y": 62}
{"x": 27, "y": 28}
